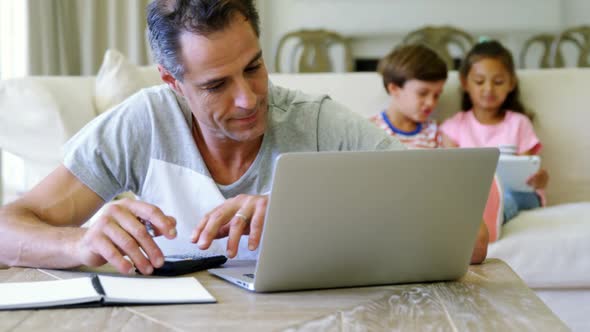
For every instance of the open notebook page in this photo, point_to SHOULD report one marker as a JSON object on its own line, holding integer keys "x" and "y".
{"x": 154, "y": 290}
{"x": 47, "y": 293}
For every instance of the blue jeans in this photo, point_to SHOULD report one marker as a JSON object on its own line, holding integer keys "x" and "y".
{"x": 515, "y": 201}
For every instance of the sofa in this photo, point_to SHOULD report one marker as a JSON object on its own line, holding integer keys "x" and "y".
{"x": 549, "y": 248}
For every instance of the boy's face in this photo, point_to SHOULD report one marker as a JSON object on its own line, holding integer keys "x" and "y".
{"x": 416, "y": 99}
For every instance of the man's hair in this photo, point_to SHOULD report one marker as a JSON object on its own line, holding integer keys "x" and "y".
{"x": 409, "y": 62}
{"x": 168, "y": 19}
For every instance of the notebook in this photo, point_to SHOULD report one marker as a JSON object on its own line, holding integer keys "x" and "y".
{"x": 343, "y": 219}
{"x": 100, "y": 290}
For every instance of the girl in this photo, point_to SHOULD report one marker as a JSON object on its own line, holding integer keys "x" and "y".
{"x": 493, "y": 116}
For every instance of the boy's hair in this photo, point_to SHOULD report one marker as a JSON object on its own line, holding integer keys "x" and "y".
{"x": 494, "y": 50}
{"x": 411, "y": 62}
{"x": 168, "y": 19}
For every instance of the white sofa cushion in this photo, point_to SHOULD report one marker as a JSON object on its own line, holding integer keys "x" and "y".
{"x": 37, "y": 115}
{"x": 548, "y": 247}
{"x": 30, "y": 122}
{"x": 73, "y": 95}
{"x": 118, "y": 79}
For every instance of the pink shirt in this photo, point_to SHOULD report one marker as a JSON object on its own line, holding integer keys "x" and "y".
{"x": 516, "y": 129}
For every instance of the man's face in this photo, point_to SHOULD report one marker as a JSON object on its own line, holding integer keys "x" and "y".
{"x": 226, "y": 82}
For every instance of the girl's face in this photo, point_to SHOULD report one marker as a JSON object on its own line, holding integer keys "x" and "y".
{"x": 488, "y": 83}
{"x": 417, "y": 99}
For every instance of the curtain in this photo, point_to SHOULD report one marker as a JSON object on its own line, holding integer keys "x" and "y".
{"x": 70, "y": 37}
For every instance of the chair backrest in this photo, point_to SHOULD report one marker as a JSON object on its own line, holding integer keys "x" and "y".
{"x": 311, "y": 51}
{"x": 440, "y": 39}
{"x": 547, "y": 59}
{"x": 578, "y": 37}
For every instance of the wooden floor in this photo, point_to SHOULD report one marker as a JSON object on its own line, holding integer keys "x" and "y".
{"x": 490, "y": 297}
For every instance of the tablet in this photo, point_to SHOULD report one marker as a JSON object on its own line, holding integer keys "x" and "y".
{"x": 514, "y": 171}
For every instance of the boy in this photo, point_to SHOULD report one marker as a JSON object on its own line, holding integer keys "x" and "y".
{"x": 414, "y": 76}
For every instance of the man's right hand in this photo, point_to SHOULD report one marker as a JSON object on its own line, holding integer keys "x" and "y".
{"x": 120, "y": 231}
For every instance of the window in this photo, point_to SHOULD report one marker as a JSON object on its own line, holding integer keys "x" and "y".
{"x": 13, "y": 32}
{"x": 12, "y": 64}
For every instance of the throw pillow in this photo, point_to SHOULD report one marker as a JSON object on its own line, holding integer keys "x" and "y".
{"x": 548, "y": 247}
{"x": 117, "y": 79}
{"x": 30, "y": 123}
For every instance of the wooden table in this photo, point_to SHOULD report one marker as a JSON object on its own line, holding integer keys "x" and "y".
{"x": 490, "y": 297}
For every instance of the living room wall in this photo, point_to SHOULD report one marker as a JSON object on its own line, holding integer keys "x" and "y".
{"x": 375, "y": 26}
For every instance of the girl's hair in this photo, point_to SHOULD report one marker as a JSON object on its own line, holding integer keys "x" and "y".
{"x": 409, "y": 62}
{"x": 492, "y": 50}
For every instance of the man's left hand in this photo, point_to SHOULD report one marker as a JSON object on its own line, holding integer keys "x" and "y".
{"x": 243, "y": 214}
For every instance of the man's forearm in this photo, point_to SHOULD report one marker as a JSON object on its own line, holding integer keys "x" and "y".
{"x": 25, "y": 240}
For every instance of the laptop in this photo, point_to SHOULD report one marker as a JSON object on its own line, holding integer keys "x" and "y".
{"x": 348, "y": 219}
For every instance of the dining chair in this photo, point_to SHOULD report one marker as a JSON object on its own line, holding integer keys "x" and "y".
{"x": 441, "y": 39}
{"x": 579, "y": 37}
{"x": 312, "y": 51}
{"x": 546, "y": 59}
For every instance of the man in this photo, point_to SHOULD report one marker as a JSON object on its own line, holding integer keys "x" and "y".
{"x": 198, "y": 151}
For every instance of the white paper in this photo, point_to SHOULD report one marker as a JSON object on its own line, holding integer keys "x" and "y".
{"x": 154, "y": 290}
{"x": 16, "y": 295}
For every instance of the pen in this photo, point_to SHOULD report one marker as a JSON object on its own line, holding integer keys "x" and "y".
{"x": 148, "y": 226}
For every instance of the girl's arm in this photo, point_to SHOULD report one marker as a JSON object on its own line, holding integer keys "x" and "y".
{"x": 540, "y": 179}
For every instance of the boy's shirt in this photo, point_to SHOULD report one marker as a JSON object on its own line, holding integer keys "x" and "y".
{"x": 426, "y": 135}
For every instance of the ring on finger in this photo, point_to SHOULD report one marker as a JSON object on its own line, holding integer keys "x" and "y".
{"x": 242, "y": 216}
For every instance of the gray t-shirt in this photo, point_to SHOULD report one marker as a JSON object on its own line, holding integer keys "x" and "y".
{"x": 145, "y": 145}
